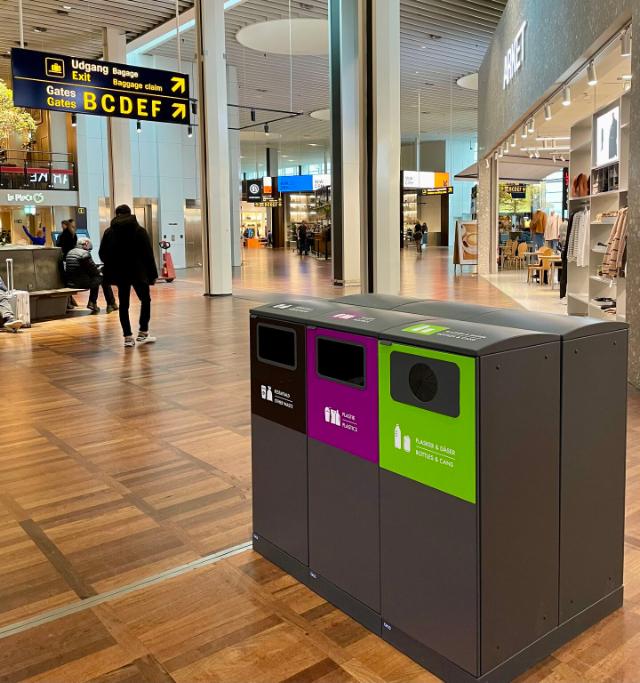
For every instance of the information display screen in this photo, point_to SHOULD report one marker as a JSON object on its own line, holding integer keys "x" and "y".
{"x": 42, "y": 80}
{"x": 295, "y": 183}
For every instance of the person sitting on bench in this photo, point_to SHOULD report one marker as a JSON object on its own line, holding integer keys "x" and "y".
{"x": 7, "y": 319}
{"x": 82, "y": 273}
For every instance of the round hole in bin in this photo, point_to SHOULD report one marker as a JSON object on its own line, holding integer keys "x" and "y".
{"x": 423, "y": 382}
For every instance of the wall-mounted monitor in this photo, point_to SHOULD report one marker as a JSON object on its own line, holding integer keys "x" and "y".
{"x": 607, "y": 136}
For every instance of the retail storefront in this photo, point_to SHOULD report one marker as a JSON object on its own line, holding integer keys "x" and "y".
{"x": 567, "y": 102}
{"x": 425, "y": 200}
{"x": 24, "y": 212}
{"x": 280, "y": 205}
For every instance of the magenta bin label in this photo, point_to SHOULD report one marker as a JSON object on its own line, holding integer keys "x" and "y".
{"x": 342, "y": 391}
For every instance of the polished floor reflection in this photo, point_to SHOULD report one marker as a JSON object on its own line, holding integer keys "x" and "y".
{"x": 117, "y": 466}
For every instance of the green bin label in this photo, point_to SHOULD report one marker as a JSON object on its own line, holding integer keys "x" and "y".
{"x": 426, "y": 446}
{"x": 424, "y": 329}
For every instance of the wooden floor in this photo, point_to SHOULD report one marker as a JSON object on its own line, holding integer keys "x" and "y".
{"x": 117, "y": 466}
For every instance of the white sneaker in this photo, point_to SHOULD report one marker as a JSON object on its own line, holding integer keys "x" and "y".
{"x": 129, "y": 342}
{"x": 145, "y": 338}
{"x": 13, "y": 325}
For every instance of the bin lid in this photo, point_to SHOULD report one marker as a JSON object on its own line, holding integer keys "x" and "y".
{"x": 466, "y": 338}
{"x": 566, "y": 326}
{"x": 452, "y": 310}
{"x": 387, "y": 302}
{"x": 333, "y": 315}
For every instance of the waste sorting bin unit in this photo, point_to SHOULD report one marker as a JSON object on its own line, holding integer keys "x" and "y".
{"x": 469, "y": 496}
{"x": 322, "y": 474}
{"x": 593, "y": 381}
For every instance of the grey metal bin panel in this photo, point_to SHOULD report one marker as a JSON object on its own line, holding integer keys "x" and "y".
{"x": 593, "y": 470}
{"x": 567, "y": 326}
{"x": 465, "y": 338}
{"x": 519, "y": 466}
{"x": 429, "y": 571}
{"x": 344, "y": 529}
{"x": 279, "y": 462}
{"x": 385, "y": 302}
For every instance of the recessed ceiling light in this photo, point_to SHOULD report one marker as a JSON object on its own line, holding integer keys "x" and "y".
{"x": 313, "y": 144}
{"x": 39, "y": 29}
{"x": 66, "y": 7}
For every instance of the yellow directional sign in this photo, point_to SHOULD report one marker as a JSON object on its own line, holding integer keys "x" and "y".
{"x": 179, "y": 83}
{"x": 42, "y": 80}
{"x": 179, "y": 110}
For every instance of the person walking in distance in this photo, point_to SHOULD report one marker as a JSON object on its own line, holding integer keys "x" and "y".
{"x": 128, "y": 259}
{"x": 417, "y": 238}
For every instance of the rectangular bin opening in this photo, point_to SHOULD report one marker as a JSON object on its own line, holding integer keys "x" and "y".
{"x": 277, "y": 346}
{"x": 341, "y": 361}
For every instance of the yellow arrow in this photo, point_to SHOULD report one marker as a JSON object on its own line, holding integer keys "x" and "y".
{"x": 179, "y": 110}
{"x": 179, "y": 83}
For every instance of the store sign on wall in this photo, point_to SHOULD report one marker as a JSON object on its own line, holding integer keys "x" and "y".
{"x": 254, "y": 191}
{"x": 514, "y": 59}
{"x": 424, "y": 179}
{"x": 42, "y": 80}
{"x": 25, "y": 198}
{"x": 516, "y": 190}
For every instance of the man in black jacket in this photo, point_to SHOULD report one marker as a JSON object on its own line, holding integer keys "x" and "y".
{"x": 128, "y": 260}
{"x": 83, "y": 273}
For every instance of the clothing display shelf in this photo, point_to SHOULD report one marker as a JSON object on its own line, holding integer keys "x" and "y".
{"x": 587, "y": 289}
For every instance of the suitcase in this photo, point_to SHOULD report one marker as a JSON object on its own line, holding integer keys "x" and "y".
{"x": 18, "y": 299}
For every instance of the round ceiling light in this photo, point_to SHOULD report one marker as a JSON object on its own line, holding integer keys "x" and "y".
{"x": 284, "y": 37}
{"x": 321, "y": 114}
{"x": 468, "y": 82}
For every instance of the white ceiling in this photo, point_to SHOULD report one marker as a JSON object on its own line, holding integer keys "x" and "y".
{"x": 78, "y": 31}
{"x": 441, "y": 40}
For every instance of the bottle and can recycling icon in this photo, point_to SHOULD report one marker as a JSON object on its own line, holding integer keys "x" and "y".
{"x": 401, "y": 442}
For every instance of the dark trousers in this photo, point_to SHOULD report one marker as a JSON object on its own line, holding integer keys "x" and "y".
{"x": 106, "y": 290}
{"x": 124, "y": 297}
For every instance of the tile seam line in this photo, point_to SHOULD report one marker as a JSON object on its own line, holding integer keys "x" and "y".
{"x": 93, "y": 601}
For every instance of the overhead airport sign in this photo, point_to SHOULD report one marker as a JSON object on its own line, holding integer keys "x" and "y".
{"x": 42, "y": 80}
{"x": 434, "y": 191}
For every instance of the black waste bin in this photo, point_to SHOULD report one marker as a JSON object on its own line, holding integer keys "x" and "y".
{"x": 468, "y": 495}
{"x": 279, "y": 433}
{"x": 341, "y": 442}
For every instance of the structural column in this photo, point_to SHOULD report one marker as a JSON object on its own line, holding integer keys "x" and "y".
{"x": 633, "y": 233}
{"x": 214, "y": 146}
{"x": 347, "y": 126}
{"x": 384, "y": 138}
{"x": 234, "y": 165}
{"x": 487, "y": 216}
{"x": 118, "y": 137}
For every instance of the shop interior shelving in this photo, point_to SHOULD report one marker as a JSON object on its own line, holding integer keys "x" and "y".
{"x": 585, "y": 284}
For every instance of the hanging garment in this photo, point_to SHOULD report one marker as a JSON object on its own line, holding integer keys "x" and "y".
{"x": 614, "y": 258}
{"x": 582, "y": 256}
{"x": 565, "y": 250}
{"x": 539, "y": 222}
{"x": 552, "y": 231}
{"x": 578, "y": 241}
